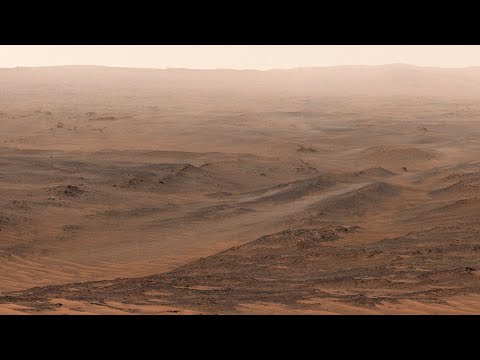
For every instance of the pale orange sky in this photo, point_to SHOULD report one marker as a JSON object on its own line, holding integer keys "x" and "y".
{"x": 238, "y": 57}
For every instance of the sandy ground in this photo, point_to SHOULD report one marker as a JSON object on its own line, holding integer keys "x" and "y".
{"x": 138, "y": 192}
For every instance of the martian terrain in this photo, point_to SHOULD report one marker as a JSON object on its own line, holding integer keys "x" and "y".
{"x": 342, "y": 190}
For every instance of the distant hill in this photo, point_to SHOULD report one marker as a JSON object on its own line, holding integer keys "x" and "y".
{"x": 384, "y": 80}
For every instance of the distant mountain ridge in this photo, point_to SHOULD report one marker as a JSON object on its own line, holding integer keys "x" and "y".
{"x": 365, "y": 80}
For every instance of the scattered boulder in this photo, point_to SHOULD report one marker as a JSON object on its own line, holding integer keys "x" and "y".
{"x": 19, "y": 205}
{"x": 348, "y": 230}
{"x": 422, "y": 129}
{"x": 4, "y": 219}
{"x": 220, "y": 194}
{"x": 104, "y": 118}
{"x": 305, "y": 168}
{"x": 73, "y": 191}
{"x": 134, "y": 181}
{"x": 306, "y": 149}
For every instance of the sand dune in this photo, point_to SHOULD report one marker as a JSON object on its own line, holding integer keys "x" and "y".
{"x": 376, "y": 172}
{"x": 358, "y": 201}
{"x": 394, "y": 154}
{"x": 460, "y": 188}
{"x": 296, "y": 268}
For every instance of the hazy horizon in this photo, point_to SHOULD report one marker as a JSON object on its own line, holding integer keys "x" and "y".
{"x": 234, "y": 69}
{"x": 238, "y": 57}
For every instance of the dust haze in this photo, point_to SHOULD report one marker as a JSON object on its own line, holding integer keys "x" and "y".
{"x": 323, "y": 190}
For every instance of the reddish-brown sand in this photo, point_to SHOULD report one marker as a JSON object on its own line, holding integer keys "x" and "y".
{"x": 350, "y": 190}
